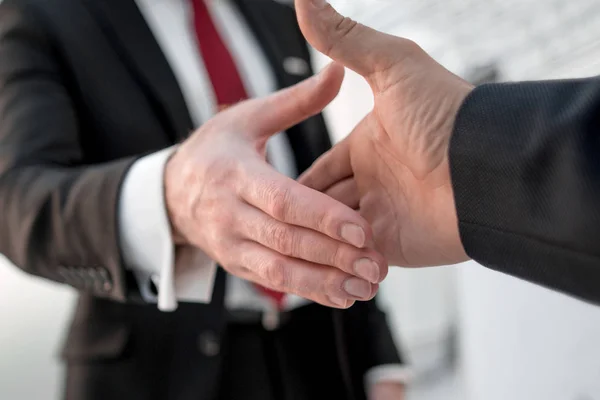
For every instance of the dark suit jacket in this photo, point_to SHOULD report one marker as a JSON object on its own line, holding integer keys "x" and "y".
{"x": 525, "y": 161}
{"x": 84, "y": 91}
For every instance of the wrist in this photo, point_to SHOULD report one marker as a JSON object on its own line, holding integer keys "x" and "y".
{"x": 173, "y": 199}
{"x": 449, "y": 220}
{"x": 459, "y": 252}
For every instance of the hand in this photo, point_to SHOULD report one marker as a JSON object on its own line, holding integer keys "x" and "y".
{"x": 396, "y": 160}
{"x": 224, "y": 198}
{"x": 387, "y": 391}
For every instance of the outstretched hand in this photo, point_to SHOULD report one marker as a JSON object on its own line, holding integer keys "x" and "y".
{"x": 224, "y": 198}
{"x": 394, "y": 166}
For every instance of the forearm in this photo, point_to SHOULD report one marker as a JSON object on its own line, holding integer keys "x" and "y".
{"x": 526, "y": 181}
{"x": 60, "y": 223}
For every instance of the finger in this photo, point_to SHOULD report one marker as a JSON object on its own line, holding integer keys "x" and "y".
{"x": 288, "y": 201}
{"x": 329, "y": 169}
{"x": 358, "y": 47}
{"x": 346, "y": 192}
{"x": 278, "y": 112}
{"x": 325, "y": 285}
{"x": 309, "y": 245}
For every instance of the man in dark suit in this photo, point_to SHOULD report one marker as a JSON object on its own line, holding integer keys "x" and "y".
{"x": 94, "y": 193}
{"x": 506, "y": 174}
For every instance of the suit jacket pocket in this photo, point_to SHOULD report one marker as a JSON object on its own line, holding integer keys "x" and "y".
{"x": 96, "y": 342}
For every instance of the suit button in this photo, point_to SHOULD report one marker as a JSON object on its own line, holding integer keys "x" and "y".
{"x": 296, "y": 66}
{"x": 107, "y": 286}
{"x": 84, "y": 278}
{"x": 93, "y": 273}
{"x": 103, "y": 273}
{"x": 104, "y": 279}
{"x": 208, "y": 344}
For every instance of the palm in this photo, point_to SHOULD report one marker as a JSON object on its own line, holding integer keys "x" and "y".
{"x": 398, "y": 154}
{"x": 390, "y": 201}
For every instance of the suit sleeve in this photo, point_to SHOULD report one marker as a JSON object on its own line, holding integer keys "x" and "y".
{"x": 58, "y": 218}
{"x": 525, "y": 165}
{"x": 372, "y": 351}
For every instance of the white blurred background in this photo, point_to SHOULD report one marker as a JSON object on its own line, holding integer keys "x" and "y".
{"x": 470, "y": 333}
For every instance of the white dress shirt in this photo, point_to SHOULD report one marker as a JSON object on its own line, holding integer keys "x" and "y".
{"x": 145, "y": 232}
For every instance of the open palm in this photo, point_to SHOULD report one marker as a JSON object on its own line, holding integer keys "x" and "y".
{"x": 397, "y": 156}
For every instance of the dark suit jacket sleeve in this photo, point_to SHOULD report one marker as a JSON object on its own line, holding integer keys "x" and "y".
{"x": 58, "y": 218}
{"x": 369, "y": 338}
{"x": 525, "y": 163}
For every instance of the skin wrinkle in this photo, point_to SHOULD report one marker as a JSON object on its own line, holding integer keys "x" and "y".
{"x": 344, "y": 28}
{"x": 341, "y": 179}
{"x": 383, "y": 151}
{"x": 382, "y": 143}
{"x": 389, "y": 197}
{"x": 422, "y": 143}
{"x": 223, "y": 163}
{"x": 378, "y": 74}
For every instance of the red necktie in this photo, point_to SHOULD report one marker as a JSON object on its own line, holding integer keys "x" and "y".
{"x": 226, "y": 81}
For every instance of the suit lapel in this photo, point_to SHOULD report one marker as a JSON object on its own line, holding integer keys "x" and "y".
{"x": 276, "y": 29}
{"x": 127, "y": 28}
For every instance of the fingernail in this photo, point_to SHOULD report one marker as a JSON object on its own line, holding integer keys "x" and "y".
{"x": 354, "y": 235}
{"x": 338, "y": 301}
{"x": 358, "y": 288}
{"x": 367, "y": 269}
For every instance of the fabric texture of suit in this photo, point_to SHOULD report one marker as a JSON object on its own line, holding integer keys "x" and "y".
{"x": 525, "y": 163}
{"x": 84, "y": 92}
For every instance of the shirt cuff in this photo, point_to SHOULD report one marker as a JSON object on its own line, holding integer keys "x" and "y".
{"x": 397, "y": 373}
{"x": 146, "y": 241}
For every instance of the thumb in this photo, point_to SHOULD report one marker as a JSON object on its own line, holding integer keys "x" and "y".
{"x": 288, "y": 107}
{"x": 358, "y": 47}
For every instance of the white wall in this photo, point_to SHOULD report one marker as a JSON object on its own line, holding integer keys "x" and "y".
{"x": 523, "y": 342}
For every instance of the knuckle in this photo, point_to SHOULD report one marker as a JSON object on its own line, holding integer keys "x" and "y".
{"x": 276, "y": 272}
{"x": 220, "y": 224}
{"x": 231, "y": 264}
{"x": 280, "y": 237}
{"x": 345, "y": 26}
{"x": 338, "y": 256}
{"x": 326, "y": 222}
{"x": 307, "y": 283}
{"x": 341, "y": 30}
{"x": 332, "y": 284}
{"x": 219, "y": 244}
{"x": 223, "y": 218}
{"x": 279, "y": 202}
{"x": 243, "y": 258}
{"x": 221, "y": 172}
